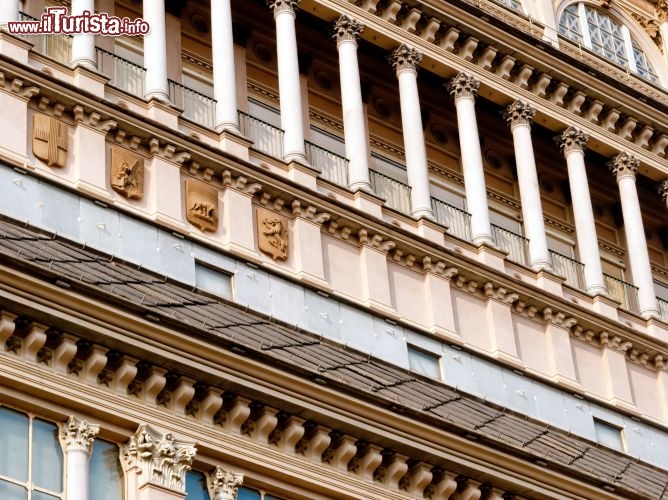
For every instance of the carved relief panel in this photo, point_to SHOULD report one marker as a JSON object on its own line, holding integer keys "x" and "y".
{"x": 272, "y": 234}
{"x": 201, "y": 205}
{"x": 49, "y": 140}
{"x": 127, "y": 173}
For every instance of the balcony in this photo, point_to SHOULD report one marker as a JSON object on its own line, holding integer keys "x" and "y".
{"x": 122, "y": 74}
{"x": 515, "y": 245}
{"x": 568, "y": 268}
{"x": 397, "y": 195}
{"x": 456, "y": 220}
{"x": 56, "y": 47}
{"x": 196, "y": 106}
{"x": 623, "y": 292}
{"x": 265, "y": 137}
{"x": 332, "y": 167}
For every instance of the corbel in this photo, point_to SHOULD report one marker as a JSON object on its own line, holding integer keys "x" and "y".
{"x": 540, "y": 87}
{"x": 418, "y": 478}
{"x": 575, "y": 102}
{"x": 486, "y": 58}
{"x": 7, "y": 326}
{"x": 409, "y": 22}
{"x": 233, "y": 415}
{"x": 643, "y": 137}
{"x": 626, "y": 129}
{"x": 522, "y": 77}
{"x": 505, "y": 67}
{"x": 366, "y": 461}
{"x": 33, "y": 341}
{"x": 315, "y": 442}
{"x": 659, "y": 145}
{"x": 394, "y": 467}
{"x": 310, "y": 213}
{"x": 43, "y": 103}
{"x": 443, "y": 487}
{"x": 94, "y": 363}
{"x": 659, "y": 362}
{"x": 609, "y": 122}
{"x": 428, "y": 33}
{"x": 288, "y": 433}
{"x": 120, "y": 136}
{"x": 370, "y": 5}
{"x": 264, "y": 423}
{"x": 340, "y": 452}
{"x": 593, "y": 111}
{"x": 449, "y": 39}
{"x": 135, "y": 141}
{"x": 209, "y": 405}
{"x": 558, "y": 94}
{"x": 468, "y": 48}
{"x": 390, "y": 12}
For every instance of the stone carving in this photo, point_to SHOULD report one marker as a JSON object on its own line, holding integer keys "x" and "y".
{"x": 49, "y": 140}
{"x": 127, "y": 173}
{"x": 279, "y": 6}
{"x": 272, "y": 234}
{"x": 661, "y": 11}
{"x": 159, "y": 458}
{"x": 463, "y": 86}
{"x": 224, "y": 484}
{"x": 78, "y": 434}
{"x": 201, "y": 205}
{"x": 405, "y": 58}
{"x": 572, "y": 139}
{"x": 347, "y": 29}
{"x": 663, "y": 191}
{"x": 519, "y": 113}
{"x": 624, "y": 165}
{"x": 651, "y": 26}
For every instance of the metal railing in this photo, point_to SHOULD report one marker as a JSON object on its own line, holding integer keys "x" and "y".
{"x": 265, "y": 137}
{"x": 569, "y": 268}
{"x": 663, "y": 308}
{"x": 397, "y": 195}
{"x": 623, "y": 292}
{"x": 515, "y": 245}
{"x": 457, "y": 220}
{"x": 58, "y": 46}
{"x": 333, "y": 167}
{"x": 122, "y": 74}
{"x": 196, "y": 106}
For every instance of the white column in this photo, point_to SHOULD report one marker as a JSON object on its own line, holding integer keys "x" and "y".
{"x": 519, "y": 116}
{"x": 83, "y": 44}
{"x": 9, "y": 11}
{"x": 346, "y": 31}
{"x": 464, "y": 89}
{"x": 224, "y": 78}
{"x": 155, "y": 52}
{"x": 224, "y": 484}
{"x": 572, "y": 146}
{"x": 288, "y": 79}
{"x": 405, "y": 61}
{"x": 77, "y": 436}
{"x": 624, "y": 167}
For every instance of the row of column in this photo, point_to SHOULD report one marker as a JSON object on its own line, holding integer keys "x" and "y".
{"x": 405, "y": 61}
{"x": 154, "y": 462}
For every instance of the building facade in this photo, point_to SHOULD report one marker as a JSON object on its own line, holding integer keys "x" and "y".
{"x": 330, "y": 249}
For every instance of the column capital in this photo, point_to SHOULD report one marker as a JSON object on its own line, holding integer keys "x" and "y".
{"x": 463, "y": 86}
{"x": 159, "y": 458}
{"x": 78, "y": 435}
{"x": 405, "y": 58}
{"x": 347, "y": 29}
{"x": 624, "y": 165}
{"x": 572, "y": 139}
{"x": 224, "y": 484}
{"x": 663, "y": 191}
{"x": 281, "y": 6}
{"x": 519, "y": 113}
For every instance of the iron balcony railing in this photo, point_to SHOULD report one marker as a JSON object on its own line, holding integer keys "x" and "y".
{"x": 623, "y": 292}
{"x": 57, "y": 46}
{"x": 196, "y": 106}
{"x": 122, "y": 74}
{"x": 515, "y": 245}
{"x": 569, "y": 268}
{"x": 663, "y": 308}
{"x": 457, "y": 220}
{"x": 265, "y": 137}
{"x": 332, "y": 167}
{"x": 397, "y": 195}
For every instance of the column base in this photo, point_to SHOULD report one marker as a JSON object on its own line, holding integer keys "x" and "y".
{"x": 303, "y": 173}
{"x": 596, "y": 289}
{"x": 541, "y": 265}
{"x": 157, "y": 95}
{"x": 360, "y": 186}
{"x": 650, "y": 313}
{"x": 483, "y": 239}
{"x": 369, "y": 203}
{"x": 296, "y": 156}
{"x": 232, "y": 127}
{"x": 422, "y": 213}
{"x": 89, "y": 64}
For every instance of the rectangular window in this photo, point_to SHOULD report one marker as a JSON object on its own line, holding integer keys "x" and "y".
{"x": 31, "y": 458}
{"x": 196, "y": 488}
{"x": 105, "y": 473}
{"x": 609, "y": 435}
{"x": 214, "y": 281}
{"x": 424, "y": 363}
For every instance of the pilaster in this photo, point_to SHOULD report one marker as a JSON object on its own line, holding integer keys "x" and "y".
{"x": 500, "y": 324}
{"x": 90, "y": 177}
{"x": 440, "y": 315}
{"x": 374, "y": 273}
{"x": 14, "y": 98}
{"x": 307, "y": 243}
{"x": 558, "y": 345}
{"x": 165, "y": 184}
{"x": 614, "y": 361}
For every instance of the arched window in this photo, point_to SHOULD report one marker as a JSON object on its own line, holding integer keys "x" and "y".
{"x": 605, "y": 36}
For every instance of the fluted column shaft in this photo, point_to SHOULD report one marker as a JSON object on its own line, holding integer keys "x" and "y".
{"x": 624, "y": 167}
{"x": 224, "y": 76}
{"x": 9, "y": 11}
{"x": 464, "y": 89}
{"x": 572, "y": 146}
{"x": 83, "y": 44}
{"x": 354, "y": 129}
{"x": 155, "y": 52}
{"x": 288, "y": 79}
{"x": 519, "y": 116}
{"x": 405, "y": 61}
